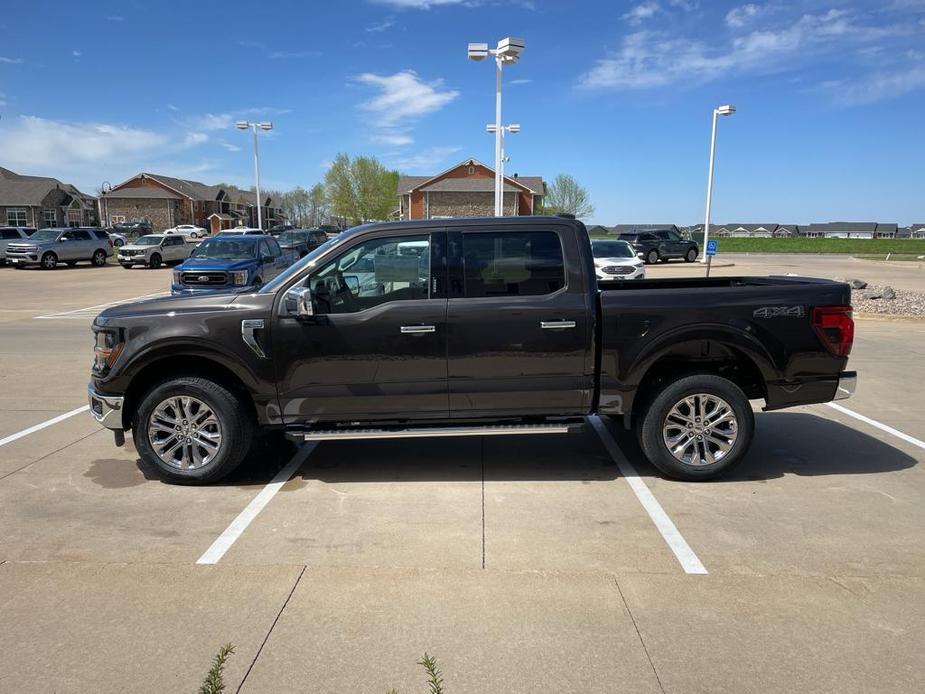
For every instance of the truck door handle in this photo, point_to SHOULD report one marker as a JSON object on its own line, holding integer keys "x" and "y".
{"x": 556, "y": 324}
{"x": 417, "y": 329}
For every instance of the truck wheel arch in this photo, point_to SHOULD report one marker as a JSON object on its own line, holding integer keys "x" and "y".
{"x": 171, "y": 366}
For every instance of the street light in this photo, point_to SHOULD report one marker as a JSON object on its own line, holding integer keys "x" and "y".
{"x": 263, "y": 125}
{"x": 507, "y": 51}
{"x": 512, "y": 128}
{"x": 725, "y": 110}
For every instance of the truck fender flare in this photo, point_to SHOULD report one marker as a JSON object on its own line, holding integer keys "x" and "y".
{"x": 210, "y": 351}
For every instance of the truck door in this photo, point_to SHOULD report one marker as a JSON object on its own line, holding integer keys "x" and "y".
{"x": 376, "y": 348}
{"x": 519, "y": 323}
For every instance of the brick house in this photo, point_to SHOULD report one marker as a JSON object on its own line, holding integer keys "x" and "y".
{"x": 40, "y": 201}
{"x": 164, "y": 202}
{"x": 466, "y": 190}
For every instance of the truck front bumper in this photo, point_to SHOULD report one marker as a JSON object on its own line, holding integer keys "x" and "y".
{"x": 106, "y": 409}
{"x": 847, "y": 383}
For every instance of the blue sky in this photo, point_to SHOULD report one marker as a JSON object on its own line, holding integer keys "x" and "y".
{"x": 830, "y": 97}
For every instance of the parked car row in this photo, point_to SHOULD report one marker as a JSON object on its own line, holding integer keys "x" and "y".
{"x": 660, "y": 246}
{"x": 48, "y": 247}
{"x": 231, "y": 261}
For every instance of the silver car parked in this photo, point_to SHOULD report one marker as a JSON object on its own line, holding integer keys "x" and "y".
{"x": 10, "y": 235}
{"x": 48, "y": 247}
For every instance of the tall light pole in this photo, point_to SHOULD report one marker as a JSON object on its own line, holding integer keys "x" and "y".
{"x": 263, "y": 125}
{"x": 491, "y": 128}
{"x": 726, "y": 110}
{"x": 507, "y": 51}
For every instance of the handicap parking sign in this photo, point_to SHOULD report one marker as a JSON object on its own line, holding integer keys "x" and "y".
{"x": 712, "y": 247}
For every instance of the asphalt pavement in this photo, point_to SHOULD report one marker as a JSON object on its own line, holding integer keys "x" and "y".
{"x": 554, "y": 563}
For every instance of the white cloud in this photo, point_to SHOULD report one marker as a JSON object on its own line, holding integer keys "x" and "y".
{"x": 230, "y": 147}
{"x": 2, "y": 99}
{"x": 36, "y": 143}
{"x": 738, "y": 17}
{"x": 381, "y": 26}
{"x": 653, "y": 59}
{"x": 425, "y": 160}
{"x": 76, "y": 54}
{"x": 192, "y": 139}
{"x": 880, "y": 86}
{"x": 420, "y": 4}
{"x": 10, "y": 61}
{"x": 286, "y": 55}
{"x": 115, "y": 18}
{"x": 396, "y": 139}
{"x": 404, "y": 97}
{"x": 520, "y": 81}
{"x": 212, "y": 121}
{"x": 642, "y": 11}
{"x": 171, "y": 107}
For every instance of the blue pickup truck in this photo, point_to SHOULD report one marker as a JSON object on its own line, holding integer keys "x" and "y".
{"x": 230, "y": 262}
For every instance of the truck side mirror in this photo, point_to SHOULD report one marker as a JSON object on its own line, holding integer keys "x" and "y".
{"x": 300, "y": 302}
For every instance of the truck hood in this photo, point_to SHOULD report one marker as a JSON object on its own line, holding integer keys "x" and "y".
{"x": 193, "y": 264}
{"x": 635, "y": 262}
{"x": 136, "y": 247}
{"x": 173, "y": 305}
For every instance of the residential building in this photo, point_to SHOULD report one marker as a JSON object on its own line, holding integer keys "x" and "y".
{"x": 787, "y": 230}
{"x": 165, "y": 201}
{"x": 41, "y": 201}
{"x": 467, "y": 190}
{"x": 760, "y": 231}
{"x": 917, "y": 231}
{"x": 844, "y": 230}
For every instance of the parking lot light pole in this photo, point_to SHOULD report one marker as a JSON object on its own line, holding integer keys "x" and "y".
{"x": 512, "y": 128}
{"x": 507, "y": 51}
{"x": 263, "y": 125}
{"x": 726, "y": 110}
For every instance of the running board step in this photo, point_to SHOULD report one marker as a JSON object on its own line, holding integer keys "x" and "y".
{"x": 425, "y": 432}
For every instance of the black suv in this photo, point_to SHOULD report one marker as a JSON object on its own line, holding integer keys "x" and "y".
{"x": 132, "y": 229}
{"x": 653, "y": 246}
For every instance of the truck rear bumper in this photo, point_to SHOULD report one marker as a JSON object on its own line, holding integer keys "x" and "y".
{"x": 847, "y": 382}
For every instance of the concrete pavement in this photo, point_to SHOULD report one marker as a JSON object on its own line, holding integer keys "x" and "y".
{"x": 521, "y": 564}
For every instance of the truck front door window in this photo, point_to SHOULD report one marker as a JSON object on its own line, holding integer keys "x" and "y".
{"x": 512, "y": 264}
{"x": 375, "y": 272}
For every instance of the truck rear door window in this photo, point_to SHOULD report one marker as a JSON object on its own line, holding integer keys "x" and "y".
{"x": 512, "y": 264}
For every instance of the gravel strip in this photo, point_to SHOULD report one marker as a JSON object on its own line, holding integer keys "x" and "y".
{"x": 908, "y": 304}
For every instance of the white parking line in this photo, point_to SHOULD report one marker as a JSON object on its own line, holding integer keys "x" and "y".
{"x": 257, "y": 504}
{"x": 877, "y": 425}
{"x": 43, "y": 425}
{"x": 92, "y": 311}
{"x": 669, "y": 531}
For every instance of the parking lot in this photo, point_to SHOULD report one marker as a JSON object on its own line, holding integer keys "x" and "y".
{"x": 554, "y": 563}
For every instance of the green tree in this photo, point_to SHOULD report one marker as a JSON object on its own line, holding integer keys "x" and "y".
{"x": 565, "y": 194}
{"x": 317, "y": 205}
{"x": 361, "y": 189}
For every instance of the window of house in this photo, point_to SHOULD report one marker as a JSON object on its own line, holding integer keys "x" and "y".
{"x": 377, "y": 271}
{"x": 73, "y": 218}
{"x": 512, "y": 264}
{"x": 50, "y": 218}
{"x": 16, "y": 216}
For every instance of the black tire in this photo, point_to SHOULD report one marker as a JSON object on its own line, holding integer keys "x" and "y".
{"x": 118, "y": 244}
{"x": 49, "y": 261}
{"x": 234, "y": 418}
{"x": 691, "y": 255}
{"x": 655, "y": 417}
{"x": 155, "y": 261}
{"x": 99, "y": 258}
{"x": 193, "y": 235}
{"x": 652, "y": 257}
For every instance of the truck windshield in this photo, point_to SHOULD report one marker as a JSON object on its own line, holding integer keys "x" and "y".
{"x": 148, "y": 241}
{"x": 45, "y": 235}
{"x": 239, "y": 248}
{"x": 612, "y": 249}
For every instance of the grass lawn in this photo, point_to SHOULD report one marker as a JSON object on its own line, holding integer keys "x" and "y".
{"x": 920, "y": 258}
{"x": 799, "y": 245}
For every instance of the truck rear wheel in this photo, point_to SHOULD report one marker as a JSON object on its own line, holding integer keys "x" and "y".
{"x": 192, "y": 430}
{"x": 697, "y": 427}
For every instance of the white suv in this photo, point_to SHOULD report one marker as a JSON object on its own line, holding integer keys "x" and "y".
{"x": 189, "y": 231}
{"x": 153, "y": 250}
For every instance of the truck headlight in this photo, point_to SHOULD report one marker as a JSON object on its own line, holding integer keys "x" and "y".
{"x": 239, "y": 277}
{"x": 107, "y": 349}
{"x": 177, "y": 275}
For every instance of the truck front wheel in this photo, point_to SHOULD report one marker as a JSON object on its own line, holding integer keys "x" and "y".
{"x": 697, "y": 427}
{"x": 192, "y": 430}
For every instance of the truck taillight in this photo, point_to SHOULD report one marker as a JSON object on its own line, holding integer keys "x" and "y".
{"x": 835, "y": 328}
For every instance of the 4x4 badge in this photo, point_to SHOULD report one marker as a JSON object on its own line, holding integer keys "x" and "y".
{"x": 779, "y": 312}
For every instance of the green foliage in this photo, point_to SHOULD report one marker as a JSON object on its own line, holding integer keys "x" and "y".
{"x": 214, "y": 682}
{"x": 361, "y": 189}
{"x": 804, "y": 245}
{"x": 565, "y": 194}
{"x": 434, "y": 680}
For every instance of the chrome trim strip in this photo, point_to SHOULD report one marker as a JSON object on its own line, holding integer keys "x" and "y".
{"x": 557, "y": 324}
{"x": 110, "y": 408}
{"x": 417, "y": 329}
{"x": 429, "y": 432}
{"x": 847, "y": 384}
{"x": 247, "y": 334}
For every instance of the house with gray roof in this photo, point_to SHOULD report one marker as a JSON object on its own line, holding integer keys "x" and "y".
{"x": 467, "y": 190}
{"x": 165, "y": 201}
{"x": 42, "y": 201}
{"x": 842, "y": 230}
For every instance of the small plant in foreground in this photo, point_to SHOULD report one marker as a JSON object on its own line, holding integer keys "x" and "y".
{"x": 214, "y": 682}
{"x": 434, "y": 678}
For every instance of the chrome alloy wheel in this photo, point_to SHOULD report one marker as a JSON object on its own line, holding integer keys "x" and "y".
{"x": 701, "y": 429}
{"x": 184, "y": 433}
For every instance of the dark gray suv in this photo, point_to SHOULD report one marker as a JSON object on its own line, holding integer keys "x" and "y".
{"x": 653, "y": 246}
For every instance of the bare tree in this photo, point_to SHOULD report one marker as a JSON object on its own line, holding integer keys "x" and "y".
{"x": 565, "y": 194}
